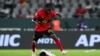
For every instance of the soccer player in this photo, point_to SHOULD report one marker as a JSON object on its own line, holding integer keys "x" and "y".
{"x": 43, "y": 17}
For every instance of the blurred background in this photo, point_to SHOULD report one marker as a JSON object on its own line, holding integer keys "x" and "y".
{"x": 72, "y": 11}
{"x": 68, "y": 8}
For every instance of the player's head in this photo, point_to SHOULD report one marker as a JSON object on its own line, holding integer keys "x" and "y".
{"x": 42, "y": 54}
{"x": 48, "y": 7}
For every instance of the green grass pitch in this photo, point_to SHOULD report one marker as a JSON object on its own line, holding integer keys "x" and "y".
{"x": 71, "y": 52}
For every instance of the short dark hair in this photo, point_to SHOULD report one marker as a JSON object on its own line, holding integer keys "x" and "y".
{"x": 49, "y": 5}
{"x": 42, "y": 54}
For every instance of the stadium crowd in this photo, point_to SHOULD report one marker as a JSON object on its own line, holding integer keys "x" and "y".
{"x": 67, "y": 8}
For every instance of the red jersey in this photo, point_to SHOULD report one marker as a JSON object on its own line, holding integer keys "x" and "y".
{"x": 45, "y": 17}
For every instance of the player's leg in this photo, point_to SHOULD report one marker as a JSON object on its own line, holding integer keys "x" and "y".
{"x": 50, "y": 33}
{"x": 33, "y": 48}
{"x": 58, "y": 43}
{"x": 34, "y": 41}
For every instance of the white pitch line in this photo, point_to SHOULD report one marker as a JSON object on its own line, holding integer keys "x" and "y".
{"x": 86, "y": 51}
{"x": 91, "y": 50}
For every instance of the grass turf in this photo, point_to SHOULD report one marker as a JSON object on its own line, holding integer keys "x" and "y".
{"x": 71, "y": 52}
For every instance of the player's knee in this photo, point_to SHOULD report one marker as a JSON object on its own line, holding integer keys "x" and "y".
{"x": 53, "y": 36}
{"x": 34, "y": 40}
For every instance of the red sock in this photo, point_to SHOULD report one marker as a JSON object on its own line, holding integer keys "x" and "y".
{"x": 33, "y": 47}
{"x": 58, "y": 43}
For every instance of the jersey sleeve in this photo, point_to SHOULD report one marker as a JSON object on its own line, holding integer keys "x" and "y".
{"x": 54, "y": 13}
{"x": 37, "y": 15}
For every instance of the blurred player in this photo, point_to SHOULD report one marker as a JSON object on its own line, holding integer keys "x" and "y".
{"x": 43, "y": 18}
{"x": 46, "y": 53}
{"x": 82, "y": 24}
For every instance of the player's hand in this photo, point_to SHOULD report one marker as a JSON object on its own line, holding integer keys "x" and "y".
{"x": 40, "y": 20}
{"x": 35, "y": 21}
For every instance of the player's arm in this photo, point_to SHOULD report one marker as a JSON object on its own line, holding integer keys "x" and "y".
{"x": 37, "y": 17}
{"x": 57, "y": 16}
{"x": 37, "y": 20}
